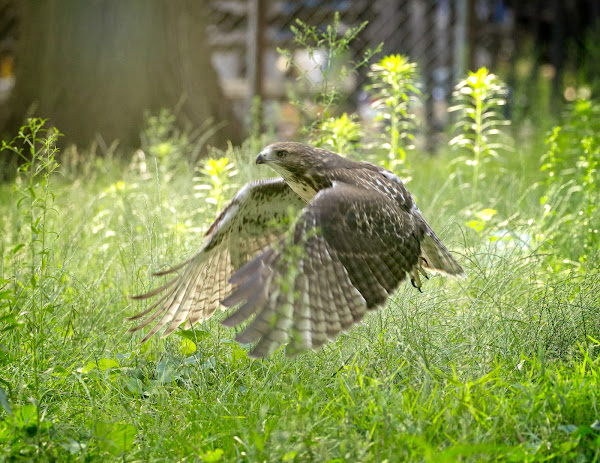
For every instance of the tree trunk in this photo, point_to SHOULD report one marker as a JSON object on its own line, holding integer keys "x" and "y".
{"x": 94, "y": 67}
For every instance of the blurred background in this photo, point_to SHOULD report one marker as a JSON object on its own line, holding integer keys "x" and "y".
{"x": 489, "y": 108}
{"x": 98, "y": 69}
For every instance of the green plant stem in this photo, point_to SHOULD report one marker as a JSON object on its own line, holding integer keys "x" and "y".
{"x": 394, "y": 128}
{"x": 478, "y": 142}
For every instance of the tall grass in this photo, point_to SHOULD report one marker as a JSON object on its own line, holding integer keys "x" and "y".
{"x": 502, "y": 366}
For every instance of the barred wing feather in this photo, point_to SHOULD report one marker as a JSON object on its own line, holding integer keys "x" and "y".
{"x": 350, "y": 249}
{"x": 248, "y": 224}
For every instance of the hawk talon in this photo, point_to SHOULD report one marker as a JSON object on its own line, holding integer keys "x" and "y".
{"x": 412, "y": 280}
{"x": 422, "y": 270}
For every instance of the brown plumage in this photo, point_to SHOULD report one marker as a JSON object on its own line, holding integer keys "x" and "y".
{"x": 358, "y": 234}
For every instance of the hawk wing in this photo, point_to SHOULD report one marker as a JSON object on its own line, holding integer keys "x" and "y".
{"x": 244, "y": 227}
{"x": 350, "y": 249}
{"x": 436, "y": 256}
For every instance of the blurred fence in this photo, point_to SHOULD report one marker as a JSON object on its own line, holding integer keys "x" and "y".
{"x": 445, "y": 37}
{"x": 245, "y": 36}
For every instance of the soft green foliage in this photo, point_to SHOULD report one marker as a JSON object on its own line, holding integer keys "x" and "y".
{"x": 394, "y": 88}
{"x": 588, "y": 69}
{"x": 33, "y": 275}
{"x": 215, "y": 178}
{"x": 572, "y": 165}
{"x": 165, "y": 141}
{"x": 502, "y": 366}
{"x": 478, "y": 102}
{"x": 334, "y": 44}
{"x": 339, "y": 134}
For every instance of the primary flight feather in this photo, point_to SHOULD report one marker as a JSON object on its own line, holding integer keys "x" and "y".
{"x": 357, "y": 235}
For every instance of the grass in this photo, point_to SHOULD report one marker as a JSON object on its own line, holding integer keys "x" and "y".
{"x": 502, "y": 366}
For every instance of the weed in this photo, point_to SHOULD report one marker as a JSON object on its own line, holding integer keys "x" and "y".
{"x": 498, "y": 367}
{"x": 215, "y": 179}
{"x": 394, "y": 89}
{"x": 327, "y": 52}
{"x": 572, "y": 163}
{"x": 32, "y": 299}
{"x": 339, "y": 134}
{"x": 172, "y": 146}
{"x": 478, "y": 100}
{"x": 502, "y": 366}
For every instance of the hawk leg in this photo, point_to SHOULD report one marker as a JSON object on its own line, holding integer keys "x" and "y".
{"x": 415, "y": 279}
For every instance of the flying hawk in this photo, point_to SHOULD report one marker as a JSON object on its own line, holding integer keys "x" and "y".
{"x": 357, "y": 234}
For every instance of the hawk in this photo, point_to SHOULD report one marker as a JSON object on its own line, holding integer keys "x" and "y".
{"x": 357, "y": 234}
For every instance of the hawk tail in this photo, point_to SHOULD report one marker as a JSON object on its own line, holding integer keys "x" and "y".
{"x": 437, "y": 258}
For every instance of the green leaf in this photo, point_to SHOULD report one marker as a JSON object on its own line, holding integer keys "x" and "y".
{"x": 188, "y": 347}
{"x": 26, "y": 419}
{"x": 212, "y": 456}
{"x": 61, "y": 372}
{"x": 290, "y": 456}
{"x": 6, "y": 431}
{"x": 584, "y": 430}
{"x": 9, "y": 320}
{"x": 166, "y": 371}
{"x": 105, "y": 364}
{"x": 102, "y": 364}
{"x": 238, "y": 353}
{"x": 72, "y": 446}
{"x": 4, "y": 402}
{"x": 135, "y": 386}
{"x": 568, "y": 428}
{"x": 115, "y": 438}
{"x": 193, "y": 335}
{"x": 17, "y": 248}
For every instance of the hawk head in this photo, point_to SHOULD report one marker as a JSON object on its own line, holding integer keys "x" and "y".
{"x": 301, "y": 166}
{"x": 289, "y": 157}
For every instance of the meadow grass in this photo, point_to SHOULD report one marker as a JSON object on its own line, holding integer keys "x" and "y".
{"x": 502, "y": 366}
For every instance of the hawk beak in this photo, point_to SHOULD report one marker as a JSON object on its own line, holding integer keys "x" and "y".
{"x": 260, "y": 159}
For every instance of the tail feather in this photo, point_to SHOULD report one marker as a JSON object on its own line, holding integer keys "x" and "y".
{"x": 437, "y": 258}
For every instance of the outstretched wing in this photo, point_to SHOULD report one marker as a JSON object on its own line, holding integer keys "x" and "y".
{"x": 350, "y": 249}
{"x": 248, "y": 224}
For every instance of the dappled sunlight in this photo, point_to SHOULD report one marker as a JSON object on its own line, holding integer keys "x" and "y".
{"x": 501, "y": 365}
{"x": 520, "y": 326}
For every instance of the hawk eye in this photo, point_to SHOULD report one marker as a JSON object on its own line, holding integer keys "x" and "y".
{"x": 281, "y": 153}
